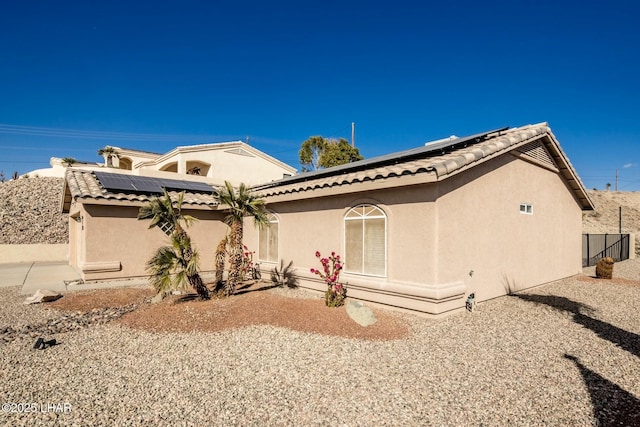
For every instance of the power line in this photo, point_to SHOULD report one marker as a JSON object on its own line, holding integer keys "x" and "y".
{"x": 74, "y": 133}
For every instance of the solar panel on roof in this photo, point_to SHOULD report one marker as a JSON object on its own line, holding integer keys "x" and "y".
{"x": 196, "y": 187}
{"x": 143, "y": 184}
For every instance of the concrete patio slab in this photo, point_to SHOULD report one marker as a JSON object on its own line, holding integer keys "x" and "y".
{"x": 49, "y": 275}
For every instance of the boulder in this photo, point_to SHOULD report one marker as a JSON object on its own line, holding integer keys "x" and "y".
{"x": 42, "y": 295}
{"x": 360, "y": 313}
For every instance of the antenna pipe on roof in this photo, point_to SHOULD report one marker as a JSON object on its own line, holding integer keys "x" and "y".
{"x": 353, "y": 134}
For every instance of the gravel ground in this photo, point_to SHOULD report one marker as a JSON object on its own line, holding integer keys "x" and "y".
{"x": 563, "y": 354}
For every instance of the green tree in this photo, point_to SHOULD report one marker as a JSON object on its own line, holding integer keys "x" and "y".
{"x": 241, "y": 202}
{"x": 108, "y": 153}
{"x": 318, "y": 152}
{"x": 339, "y": 152}
{"x": 310, "y": 153}
{"x": 176, "y": 265}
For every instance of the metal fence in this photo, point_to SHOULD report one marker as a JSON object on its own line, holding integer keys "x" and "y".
{"x": 598, "y": 246}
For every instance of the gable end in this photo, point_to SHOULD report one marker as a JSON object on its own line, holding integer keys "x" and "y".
{"x": 240, "y": 152}
{"x": 537, "y": 153}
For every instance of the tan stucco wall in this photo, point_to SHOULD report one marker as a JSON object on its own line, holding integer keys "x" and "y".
{"x": 116, "y": 244}
{"x": 438, "y": 232}
{"x": 482, "y": 230}
{"x": 33, "y": 253}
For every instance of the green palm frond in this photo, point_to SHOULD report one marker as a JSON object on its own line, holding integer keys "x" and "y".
{"x": 161, "y": 266}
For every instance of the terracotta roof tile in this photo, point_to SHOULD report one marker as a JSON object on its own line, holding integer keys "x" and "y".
{"x": 427, "y": 161}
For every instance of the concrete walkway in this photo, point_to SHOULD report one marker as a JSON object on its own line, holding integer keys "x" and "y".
{"x": 54, "y": 276}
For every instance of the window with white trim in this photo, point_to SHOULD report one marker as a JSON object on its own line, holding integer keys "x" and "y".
{"x": 268, "y": 240}
{"x": 166, "y": 227}
{"x": 526, "y": 208}
{"x": 365, "y": 229}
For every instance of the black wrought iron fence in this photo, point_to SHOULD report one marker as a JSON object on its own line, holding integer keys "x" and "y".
{"x": 598, "y": 246}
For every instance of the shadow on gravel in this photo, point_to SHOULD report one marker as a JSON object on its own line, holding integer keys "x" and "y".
{"x": 612, "y": 405}
{"x": 626, "y": 340}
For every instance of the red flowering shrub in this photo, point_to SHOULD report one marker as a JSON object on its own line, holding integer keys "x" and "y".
{"x": 330, "y": 273}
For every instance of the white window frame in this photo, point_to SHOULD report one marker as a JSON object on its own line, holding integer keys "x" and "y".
{"x": 382, "y": 215}
{"x": 526, "y": 208}
{"x": 166, "y": 227}
{"x": 272, "y": 219}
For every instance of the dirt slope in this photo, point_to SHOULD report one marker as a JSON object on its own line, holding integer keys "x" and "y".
{"x": 605, "y": 219}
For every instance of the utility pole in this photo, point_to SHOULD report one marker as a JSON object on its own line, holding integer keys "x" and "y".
{"x": 353, "y": 134}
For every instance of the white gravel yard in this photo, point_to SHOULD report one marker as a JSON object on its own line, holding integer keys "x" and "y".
{"x": 563, "y": 354}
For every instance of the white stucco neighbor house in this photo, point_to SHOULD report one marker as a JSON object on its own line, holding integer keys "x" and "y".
{"x": 233, "y": 161}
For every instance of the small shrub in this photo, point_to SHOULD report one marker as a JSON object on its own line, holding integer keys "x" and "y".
{"x": 604, "y": 268}
{"x": 247, "y": 263}
{"x": 336, "y": 292}
{"x": 284, "y": 276}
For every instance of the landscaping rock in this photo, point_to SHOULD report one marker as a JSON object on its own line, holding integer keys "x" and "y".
{"x": 360, "y": 314}
{"x": 42, "y": 295}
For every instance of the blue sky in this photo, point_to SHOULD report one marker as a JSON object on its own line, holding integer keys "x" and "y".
{"x": 76, "y": 76}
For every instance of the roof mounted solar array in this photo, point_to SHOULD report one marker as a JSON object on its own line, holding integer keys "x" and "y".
{"x": 429, "y": 150}
{"x": 143, "y": 184}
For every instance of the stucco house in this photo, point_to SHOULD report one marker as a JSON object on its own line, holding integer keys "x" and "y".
{"x": 423, "y": 228}
{"x": 106, "y": 241}
{"x": 418, "y": 229}
{"x": 233, "y": 161}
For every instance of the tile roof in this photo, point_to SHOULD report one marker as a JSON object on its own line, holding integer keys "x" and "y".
{"x": 83, "y": 185}
{"x": 442, "y": 159}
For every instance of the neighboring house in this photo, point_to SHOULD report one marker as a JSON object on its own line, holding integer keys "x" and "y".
{"x": 231, "y": 161}
{"x": 58, "y": 168}
{"x": 418, "y": 230}
{"x": 423, "y": 228}
{"x": 235, "y": 162}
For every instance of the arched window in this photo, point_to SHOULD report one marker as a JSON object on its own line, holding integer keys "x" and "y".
{"x": 365, "y": 228}
{"x": 171, "y": 167}
{"x": 125, "y": 163}
{"x": 268, "y": 245}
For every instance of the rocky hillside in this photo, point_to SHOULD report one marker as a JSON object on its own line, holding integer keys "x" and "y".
{"x": 605, "y": 219}
{"x": 30, "y": 212}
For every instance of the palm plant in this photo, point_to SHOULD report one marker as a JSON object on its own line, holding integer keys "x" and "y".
{"x": 108, "y": 153}
{"x": 241, "y": 202}
{"x": 221, "y": 253}
{"x": 68, "y": 161}
{"x": 176, "y": 265}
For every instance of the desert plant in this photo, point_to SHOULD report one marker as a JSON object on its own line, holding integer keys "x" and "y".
{"x": 176, "y": 265}
{"x": 284, "y": 276}
{"x": 2, "y": 178}
{"x": 241, "y": 202}
{"x": 336, "y": 292}
{"x": 247, "y": 263}
{"x": 68, "y": 161}
{"x": 604, "y": 268}
{"x": 108, "y": 153}
{"x": 15, "y": 175}
{"x": 221, "y": 255}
